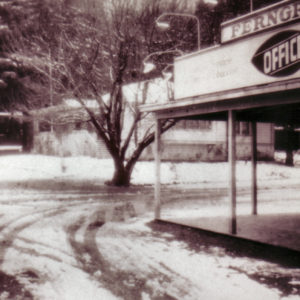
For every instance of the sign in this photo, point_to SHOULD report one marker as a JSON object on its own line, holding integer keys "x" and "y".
{"x": 260, "y": 20}
{"x": 279, "y": 55}
{"x": 265, "y": 58}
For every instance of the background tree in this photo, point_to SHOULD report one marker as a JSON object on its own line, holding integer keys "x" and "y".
{"x": 22, "y": 86}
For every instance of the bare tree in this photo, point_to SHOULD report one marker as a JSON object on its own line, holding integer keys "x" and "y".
{"x": 106, "y": 54}
{"x": 79, "y": 51}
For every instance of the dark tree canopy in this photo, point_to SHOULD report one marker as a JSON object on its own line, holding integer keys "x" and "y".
{"x": 18, "y": 81}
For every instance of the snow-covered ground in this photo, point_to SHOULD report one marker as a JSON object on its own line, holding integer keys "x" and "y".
{"x": 65, "y": 240}
{"x": 39, "y": 167}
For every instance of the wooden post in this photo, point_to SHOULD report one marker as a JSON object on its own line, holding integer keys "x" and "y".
{"x": 232, "y": 171}
{"x": 226, "y": 140}
{"x": 157, "y": 167}
{"x": 253, "y": 167}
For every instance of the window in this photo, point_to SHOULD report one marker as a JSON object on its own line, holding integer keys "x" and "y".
{"x": 242, "y": 128}
{"x": 193, "y": 124}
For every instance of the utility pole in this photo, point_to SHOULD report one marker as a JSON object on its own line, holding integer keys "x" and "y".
{"x": 50, "y": 85}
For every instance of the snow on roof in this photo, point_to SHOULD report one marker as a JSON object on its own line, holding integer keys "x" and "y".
{"x": 74, "y": 103}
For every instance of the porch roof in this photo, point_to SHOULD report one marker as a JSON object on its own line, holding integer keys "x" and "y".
{"x": 275, "y": 102}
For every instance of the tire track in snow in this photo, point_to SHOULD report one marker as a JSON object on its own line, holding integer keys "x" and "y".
{"x": 125, "y": 284}
{"x": 9, "y": 235}
{"x": 92, "y": 261}
{"x": 11, "y": 229}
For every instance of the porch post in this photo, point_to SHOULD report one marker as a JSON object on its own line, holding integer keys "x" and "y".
{"x": 232, "y": 167}
{"x": 253, "y": 167}
{"x": 157, "y": 167}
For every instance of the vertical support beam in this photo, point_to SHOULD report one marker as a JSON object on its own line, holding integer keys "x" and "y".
{"x": 157, "y": 167}
{"x": 227, "y": 135}
{"x": 253, "y": 167}
{"x": 232, "y": 169}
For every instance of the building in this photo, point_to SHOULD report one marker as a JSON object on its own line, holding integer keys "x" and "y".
{"x": 189, "y": 140}
{"x": 253, "y": 76}
{"x": 202, "y": 140}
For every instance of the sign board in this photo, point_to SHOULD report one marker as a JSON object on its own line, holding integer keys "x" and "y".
{"x": 264, "y": 58}
{"x": 264, "y": 19}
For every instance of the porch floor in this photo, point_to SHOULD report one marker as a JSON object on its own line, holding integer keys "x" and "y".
{"x": 280, "y": 229}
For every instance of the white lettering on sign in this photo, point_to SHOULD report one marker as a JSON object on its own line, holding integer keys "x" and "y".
{"x": 282, "y": 55}
{"x": 266, "y": 18}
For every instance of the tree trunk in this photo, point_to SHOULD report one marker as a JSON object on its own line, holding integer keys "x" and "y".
{"x": 289, "y": 161}
{"x": 28, "y": 136}
{"x": 121, "y": 175}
